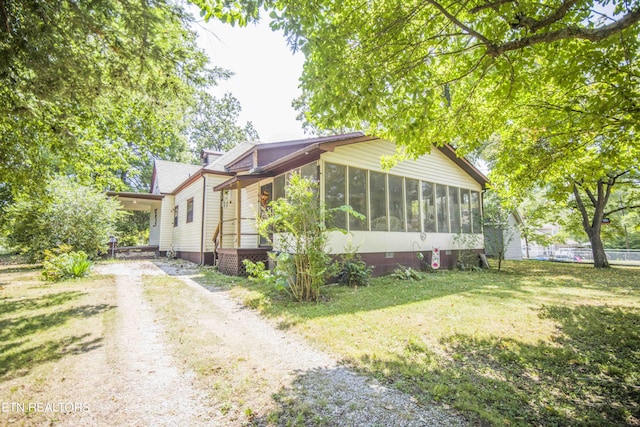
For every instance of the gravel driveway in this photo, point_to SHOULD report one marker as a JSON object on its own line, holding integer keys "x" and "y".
{"x": 135, "y": 380}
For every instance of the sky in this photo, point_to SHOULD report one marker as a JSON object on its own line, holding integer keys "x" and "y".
{"x": 266, "y": 75}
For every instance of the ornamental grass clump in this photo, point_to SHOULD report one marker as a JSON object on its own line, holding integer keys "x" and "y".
{"x": 61, "y": 263}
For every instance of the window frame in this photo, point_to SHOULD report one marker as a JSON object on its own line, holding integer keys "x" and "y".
{"x": 176, "y": 215}
{"x": 190, "y": 206}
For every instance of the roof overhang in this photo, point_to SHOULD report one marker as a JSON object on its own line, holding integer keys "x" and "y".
{"x": 136, "y": 201}
{"x": 464, "y": 164}
{"x": 241, "y": 179}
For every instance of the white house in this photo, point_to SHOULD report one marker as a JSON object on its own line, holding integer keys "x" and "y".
{"x": 207, "y": 214}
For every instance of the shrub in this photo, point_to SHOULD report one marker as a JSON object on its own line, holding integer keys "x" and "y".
{"x": 354, "y": 273}
{"x": 300, "y": 237}
{"x": 59, "y": 265}
{"x": 67, "y": 213}
{"x": 405, "y": 273}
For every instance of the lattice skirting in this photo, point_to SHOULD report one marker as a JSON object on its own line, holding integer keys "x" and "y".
{"x": 230, "y": 260}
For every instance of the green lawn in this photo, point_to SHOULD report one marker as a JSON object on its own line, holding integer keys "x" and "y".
{"x": 45, "y": 329}
{"x": 535, "y": 344}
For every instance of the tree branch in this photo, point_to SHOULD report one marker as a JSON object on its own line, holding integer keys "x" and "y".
{"x": 554, "y": 17}
{"x": 621, "y": 209}
{"x": 591, "y": 34}
{"x": 5, "y": 16}
{"x": 589, "y": 193}
{"x": 493, "y": 5}
{"x": 583, "y": 211}
{"x": 459, "y": 24}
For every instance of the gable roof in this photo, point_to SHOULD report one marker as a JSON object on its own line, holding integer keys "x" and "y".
{"x": 168, "y": 175}
{"x": 258, "y": 160}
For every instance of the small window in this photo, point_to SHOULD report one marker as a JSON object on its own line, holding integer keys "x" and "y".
{"x": 190, "y": 210}
{"x": 278, "y": 187}
{"x": 310, "y": 171}
{"x": 155, "y": 217}
{"x": 412, "y": 200}
{"x": 175, "y": 216}
{"x": 428, "y": 201}
{"x": 396, "y": 203}
{"x": 476, "y": 213}
{"x": 454, "y": 209}
{"x": 465, "y": 210}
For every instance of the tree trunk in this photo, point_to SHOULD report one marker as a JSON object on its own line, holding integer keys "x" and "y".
{"x": 597, "y": 248}
{"x": 593, "y": 226}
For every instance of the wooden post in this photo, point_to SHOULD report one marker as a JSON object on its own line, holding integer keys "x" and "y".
{"x": 238, "y": 213}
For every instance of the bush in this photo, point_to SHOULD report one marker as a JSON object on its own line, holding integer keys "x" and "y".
{"x": 59, "y": 265}
{"x": 354, "y": 273}
{"x": 295, "y": 226}
{"x": 67, "y": 213}
{"x": 405, "y": 273}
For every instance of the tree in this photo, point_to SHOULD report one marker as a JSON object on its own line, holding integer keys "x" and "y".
{"x": 94, "y": 89}
{"x": 67, "y": 214}
{"x": 213, "y": 124}
{"x": 555, "y": 84}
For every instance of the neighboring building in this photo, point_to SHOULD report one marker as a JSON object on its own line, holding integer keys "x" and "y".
{"x": 207, "y": 214}
{"x": 506, "y": 237}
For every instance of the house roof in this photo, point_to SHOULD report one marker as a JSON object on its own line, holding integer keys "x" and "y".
{"x": 260, "y": 160}
{"x": 169, "y": 175}
{"x": 220, "y": 164}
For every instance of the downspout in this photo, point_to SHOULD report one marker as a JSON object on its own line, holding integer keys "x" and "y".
{"x": 202, "y": 219}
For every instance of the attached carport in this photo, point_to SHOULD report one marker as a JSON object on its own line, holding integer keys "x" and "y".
{"x": 145, "y": 202}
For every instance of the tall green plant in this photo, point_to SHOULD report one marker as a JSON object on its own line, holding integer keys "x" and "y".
{"x": 295, "y": 226}
{"x": 68, "y": 213}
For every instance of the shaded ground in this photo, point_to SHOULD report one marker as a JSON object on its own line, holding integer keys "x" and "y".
{"x": 294, "y": 384}
{"x": 126, "y": 366}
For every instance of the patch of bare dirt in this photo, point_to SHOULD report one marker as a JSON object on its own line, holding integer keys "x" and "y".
{"x": 132, "y": 379}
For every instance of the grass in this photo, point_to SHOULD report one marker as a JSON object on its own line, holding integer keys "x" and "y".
{"x": 43, "y": 328}
{"x": 236, "y": 391}
{"x": 535, "y": 344}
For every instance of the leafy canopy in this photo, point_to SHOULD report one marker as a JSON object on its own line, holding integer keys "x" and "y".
{"x": 95, "y": 89}
{"x": 553, "y": 85}
{"x": 69, "y": 214}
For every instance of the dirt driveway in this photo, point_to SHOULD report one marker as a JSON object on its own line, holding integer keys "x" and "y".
{"x": 136, "y": 379}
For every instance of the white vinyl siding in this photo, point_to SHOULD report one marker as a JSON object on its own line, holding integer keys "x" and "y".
{"x": 431, "y": 167}
{"x": 186, "y": 236}
{"x": 165, "y": 222}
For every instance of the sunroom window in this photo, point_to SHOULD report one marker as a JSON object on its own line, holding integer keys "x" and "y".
{"x": 335, "y": 192}
{"x": 378, "y": 205}
{"x": 358, "y": 198}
